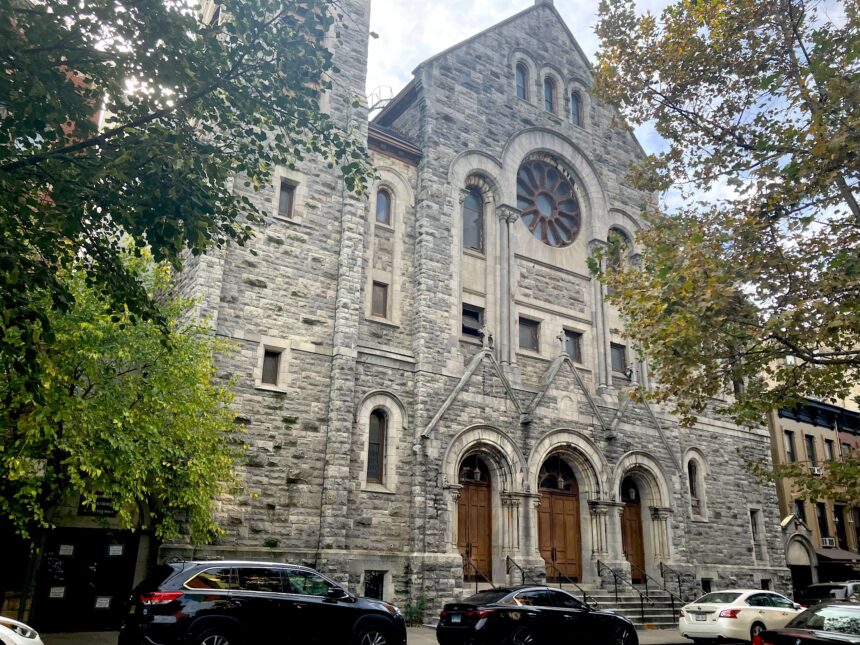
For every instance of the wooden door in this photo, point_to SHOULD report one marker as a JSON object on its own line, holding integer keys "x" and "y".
{"x": 631, "y": 538}
{"x": 474, "y": 528}
{"x": 559, "y": 536}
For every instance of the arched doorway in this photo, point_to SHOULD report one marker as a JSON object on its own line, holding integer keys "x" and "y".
{"x": 559, "y": 537}
{"x": 632, "y": 539}
{"x": 474, "y": 519}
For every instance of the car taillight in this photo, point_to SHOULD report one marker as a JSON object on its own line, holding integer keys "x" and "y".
{"x": 758, "y": 640}
{"x": 479, "y": 613}
{"x": 159, "y": 597}
{"x": 443, "y": 613}
{"x": 729, "y": 613}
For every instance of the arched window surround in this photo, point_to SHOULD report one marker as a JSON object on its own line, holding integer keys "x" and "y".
{"x": 550, "y": 94}
{"x": 376, "y": 442}
{"x": 696, "y": 472}
{"x": 521, "y": 58}
{"x": 521, "y": 80}
{"x": 384, "y": 192}
{"x": 389, "y": 405}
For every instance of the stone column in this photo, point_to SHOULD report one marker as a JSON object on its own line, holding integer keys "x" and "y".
{"x": 453, "y": 499}
{"x": 507, "y": 216}
{"x": 660, "y": 533}
{"x": 510, "y": 525}
{"x": 601, "y": 323}
{"x": 599, "y": 528}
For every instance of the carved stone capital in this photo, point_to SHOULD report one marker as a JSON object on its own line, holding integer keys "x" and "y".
{"x": 660, "y": 512}
{"x": 454, "y": 491}
{"x": 507, "y": 213}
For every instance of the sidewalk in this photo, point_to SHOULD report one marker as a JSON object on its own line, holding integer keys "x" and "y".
{"x": 417, "y": 636}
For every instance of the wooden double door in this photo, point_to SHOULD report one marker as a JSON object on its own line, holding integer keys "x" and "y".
{"x": 559, "y": 537}
{"x": 474, "y": 529}
{"x": 632, "y": 540}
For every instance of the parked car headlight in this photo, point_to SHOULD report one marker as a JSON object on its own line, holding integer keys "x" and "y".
{"x": 21, "y": 630}
{"x": 392, "y": 608}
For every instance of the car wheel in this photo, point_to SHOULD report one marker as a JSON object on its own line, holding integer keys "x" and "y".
{"x": 373, "y": 635}
{"x": 214, "y": 637}
{"x": 756, "y": 629}
{"x": 624, "y": 635}
{"x": 522, "y": 637}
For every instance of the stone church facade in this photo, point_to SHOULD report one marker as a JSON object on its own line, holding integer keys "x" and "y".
{"x": 431, "y": 384}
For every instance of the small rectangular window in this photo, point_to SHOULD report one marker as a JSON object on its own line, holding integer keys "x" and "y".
{"x": 828, "y": 449}
{"x": 707, "y": 584}
{"x": 619, "y": 357}
{"x": 379, "y": 304}
{"x": 286, "y": 197}
{"x": 800, "y": 509}
{"x": 754, "y": 524}
{"x": 765, "y": 584}
{"x": 529, "y": 334}
{"x": 821, "y": 515}
{"x": 473, "y": 320}
{"x": 810, "y": 450}
{"x": 271, "y": 366}
{"x": 374, "y": 582}
{"x": 573, "y": 345}
{"x": 790, "y": 453}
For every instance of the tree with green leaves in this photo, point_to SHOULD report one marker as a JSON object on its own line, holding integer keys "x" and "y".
{"x": 129, "y": 410}
{"x": 187, "y": 107}
{"x": 753, "y": 289}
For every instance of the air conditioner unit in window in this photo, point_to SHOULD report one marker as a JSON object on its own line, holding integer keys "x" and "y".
{"x": 815, "y": 470}
{"x": 828, "y": 542}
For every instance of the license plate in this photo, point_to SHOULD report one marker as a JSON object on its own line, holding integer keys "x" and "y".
{"x": 702, "y": 617}
{"x": 455, "y": 618}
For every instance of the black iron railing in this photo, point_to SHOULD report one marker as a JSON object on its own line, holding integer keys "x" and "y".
{"x": 697, "y": 591}
{"x": 511, "y": 564}
{"x": 588, "y": 600}
{"x": 618, "y": 577}
{"x": 479, "y": 575}
{"x": 659, "y": 585}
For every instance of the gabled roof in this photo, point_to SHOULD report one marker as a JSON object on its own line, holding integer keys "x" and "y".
{"x": 537, "y": 6}
{"x": 407, "y": 95}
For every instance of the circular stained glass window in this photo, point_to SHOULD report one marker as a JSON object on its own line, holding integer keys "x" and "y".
{"x": 549, "y": 206}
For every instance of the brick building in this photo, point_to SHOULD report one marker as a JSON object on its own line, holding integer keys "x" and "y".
{"x": 432, "y": 384}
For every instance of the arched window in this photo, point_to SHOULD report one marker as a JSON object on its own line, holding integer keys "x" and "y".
{"x": 383, "y": 207}
{"x": 576, "y": 108}
{"x": 473, "y": 219}
{"x": 693, "y": 477}
{"x": 549, "y": 100}
{"x": 522, "y": 82}
{"x": 619, "y": 247}
{"x": 376, "y": 447}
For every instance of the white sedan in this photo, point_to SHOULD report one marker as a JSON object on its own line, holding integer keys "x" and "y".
{"x": 735, "y": 614}
{"x": 13, "y": 632}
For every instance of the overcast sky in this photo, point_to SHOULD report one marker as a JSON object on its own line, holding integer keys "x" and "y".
{"x": 411, "y": 31}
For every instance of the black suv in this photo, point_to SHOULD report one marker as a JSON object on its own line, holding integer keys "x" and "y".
{"x": 244, "y": 603}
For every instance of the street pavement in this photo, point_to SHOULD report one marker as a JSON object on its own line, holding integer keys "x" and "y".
{"x": 417, "y": 636}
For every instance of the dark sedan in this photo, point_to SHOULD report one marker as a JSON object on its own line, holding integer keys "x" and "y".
{"x": 530, "y": 615}
{"x": 245, "y": 603}
{"x": 828, "y": 623}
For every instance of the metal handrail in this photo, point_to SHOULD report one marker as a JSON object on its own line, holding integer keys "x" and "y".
{"x": 468, "y": 562}
{"x": 697, "y": 590}
{"x": 585, "y": 597}
{"x": 616, "y": 577}
{"x": 510, "y": 562}
{"x": 672, "y": 596}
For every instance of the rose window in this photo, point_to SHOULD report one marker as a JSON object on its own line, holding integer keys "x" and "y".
{"x": 549, "y": 206}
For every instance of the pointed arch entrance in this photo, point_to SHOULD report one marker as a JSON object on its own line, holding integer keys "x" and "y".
{"x": 632, "y": 537}
{"x": 559, "y": 536}
{"x": 474, "y": 518}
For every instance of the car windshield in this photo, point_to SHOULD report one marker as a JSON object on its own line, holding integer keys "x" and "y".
{"x": 832, "y": 618}
{"x": 719, "y": 597}
{"x": 825, "y": 591}
{"x": 487, "y": 597}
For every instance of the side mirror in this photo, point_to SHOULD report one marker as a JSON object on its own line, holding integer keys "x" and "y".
{"x": 797, "y": 605}
{"x": 336, "y": 593}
